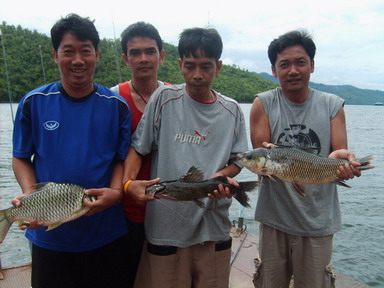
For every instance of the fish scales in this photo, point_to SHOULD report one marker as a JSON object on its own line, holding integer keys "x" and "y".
{"x": 294, "y": 165}
{"x": 48, "y": 204}
{"x": 52, "y": 203}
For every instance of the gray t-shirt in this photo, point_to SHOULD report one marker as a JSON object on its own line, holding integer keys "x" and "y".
{"x": 301, "y": 125}
{"x": 181, "y": 132}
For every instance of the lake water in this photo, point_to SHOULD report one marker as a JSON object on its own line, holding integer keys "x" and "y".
{"x": 358, "y": 248}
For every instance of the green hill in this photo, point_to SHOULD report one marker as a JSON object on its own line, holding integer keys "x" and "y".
{"x": 30, "y": 64}
{"x": 351, "y": 94}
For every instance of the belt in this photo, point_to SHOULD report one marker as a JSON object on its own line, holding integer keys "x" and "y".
{"x": 161, "y": 250}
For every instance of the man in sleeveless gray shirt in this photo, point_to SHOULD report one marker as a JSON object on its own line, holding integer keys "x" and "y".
{"x": 184, "y": 125}
{"x": 296, "y": 232}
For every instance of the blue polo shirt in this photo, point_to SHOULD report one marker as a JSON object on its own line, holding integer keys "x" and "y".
{"x": 75, "y": 141}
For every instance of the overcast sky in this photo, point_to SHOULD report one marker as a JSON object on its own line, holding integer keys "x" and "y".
{"x": 349, "y": 35}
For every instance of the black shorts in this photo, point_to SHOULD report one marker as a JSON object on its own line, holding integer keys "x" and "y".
{"x": 103, "y": 267}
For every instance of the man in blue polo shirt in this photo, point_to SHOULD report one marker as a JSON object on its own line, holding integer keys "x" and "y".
{"x": 75, "y": 131}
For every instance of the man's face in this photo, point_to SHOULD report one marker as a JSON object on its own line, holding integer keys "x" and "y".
{"x": 199, "y": 73}
{"x": 77, "y": 62}
{"x": 293, "y": 68}
{"x": 143, "y": 57}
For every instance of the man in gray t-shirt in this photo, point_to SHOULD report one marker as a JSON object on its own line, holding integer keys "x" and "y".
{"x": 182, "y": 126}
{"x": 296, "y": 232}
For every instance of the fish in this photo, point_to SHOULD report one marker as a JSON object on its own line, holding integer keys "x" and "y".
{"x": 297, "y": 166}
{"x": 192, "y": 187}
{"x": 51, "y": 203}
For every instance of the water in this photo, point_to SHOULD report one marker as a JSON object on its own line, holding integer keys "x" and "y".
{"x": 358, "y": 249}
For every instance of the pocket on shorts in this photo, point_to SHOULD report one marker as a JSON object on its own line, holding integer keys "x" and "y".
{"x": 331, "y": 277}
{"x": 257, "y": 277}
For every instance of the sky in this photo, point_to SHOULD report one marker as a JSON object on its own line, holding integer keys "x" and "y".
{"x": 349, "y": 35}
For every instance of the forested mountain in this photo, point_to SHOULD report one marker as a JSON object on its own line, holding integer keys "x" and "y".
{"x": 350, "y": 94}
{"x": 30, "y": 64}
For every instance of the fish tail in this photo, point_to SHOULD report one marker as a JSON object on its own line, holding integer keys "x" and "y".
{"x": 240, "y": 194}
{"x": 365, "y": 162}
{"x": 5, "y": 224}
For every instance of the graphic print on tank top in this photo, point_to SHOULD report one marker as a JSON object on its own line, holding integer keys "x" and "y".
{"x": 298, "y": 135}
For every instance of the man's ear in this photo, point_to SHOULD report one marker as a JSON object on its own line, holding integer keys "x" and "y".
{"x": 54, "y": 53}
{"x": 273, "y": 71}
{"x": 312, "y": 66}
{"x": 219, "y": 65}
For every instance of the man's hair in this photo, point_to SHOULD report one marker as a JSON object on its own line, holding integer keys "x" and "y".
{"x": 205, "y": 40}
{"x": 140, "y": 29}
{"x": 82, "y": 28}
{"x": 296, "y": 37}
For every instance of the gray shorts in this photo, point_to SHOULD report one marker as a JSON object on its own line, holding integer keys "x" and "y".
{"x": 205, "y": 265}
{"x": 283, "y": 256}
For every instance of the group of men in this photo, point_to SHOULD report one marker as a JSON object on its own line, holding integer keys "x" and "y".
{"x": 115, "y": 142}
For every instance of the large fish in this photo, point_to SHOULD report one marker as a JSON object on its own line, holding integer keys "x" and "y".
{"x": 51, "y": 203}
{"x": 297, "y": 166}
{"x": 192, "y": 187}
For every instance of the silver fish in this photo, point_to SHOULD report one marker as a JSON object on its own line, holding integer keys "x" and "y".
{"x": 51, "y": 203}
{"x": 192, "y": 187}
{"x": 297, "y": 166}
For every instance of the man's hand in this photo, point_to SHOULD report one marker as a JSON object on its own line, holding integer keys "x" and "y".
{"x": 221, "y": 191}
{"x": 348, "y": 171}
{"x": 16, "y": 202}
{"x": 105, "y": 198}
{"x": 137, "y": 189}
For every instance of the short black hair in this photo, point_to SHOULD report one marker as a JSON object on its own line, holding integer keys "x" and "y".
{"x": 140, "y": 29}
{"x": 206, "y": 40}
{"x": 81, "y": 27}
{"x": 295, "y": 37}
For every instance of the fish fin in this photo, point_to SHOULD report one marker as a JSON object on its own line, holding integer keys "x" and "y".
{"x": 239, "y": 192}
{"x": 341, "y": 183}
{"x": 249, "y": 185}
{"x": 5, "y": 224}
{"x": 53, "y": 226}
{"x": 365, "y": 162}
{"x": 22, "y": 223}
{"x": 306, "y": 149}
{"x": 199, "y": 203}
{"x": 193, "y": 175}
{"x": 172, "y": 209}
{"x": 243, "y": 198}
{"x": 270, "y": 177}
{"x": 299, "y": 188}
{"x": 41, "y": 185}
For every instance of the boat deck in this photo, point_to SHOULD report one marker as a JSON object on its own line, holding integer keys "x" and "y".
{"x": 244, "y": 250}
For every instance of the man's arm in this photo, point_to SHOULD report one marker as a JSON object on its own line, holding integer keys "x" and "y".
{"x": 339, "y": 146}
{"x": 132, "y": 165}
{"x": 259, "y": 125}
{"x": 24, "y": 173}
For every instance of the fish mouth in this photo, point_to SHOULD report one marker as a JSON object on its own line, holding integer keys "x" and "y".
{"x": 239, "y": 156}
{"x": 155, "y": 190}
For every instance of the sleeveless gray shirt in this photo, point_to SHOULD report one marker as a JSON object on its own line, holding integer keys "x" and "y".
{"x": 301, "y": 125}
